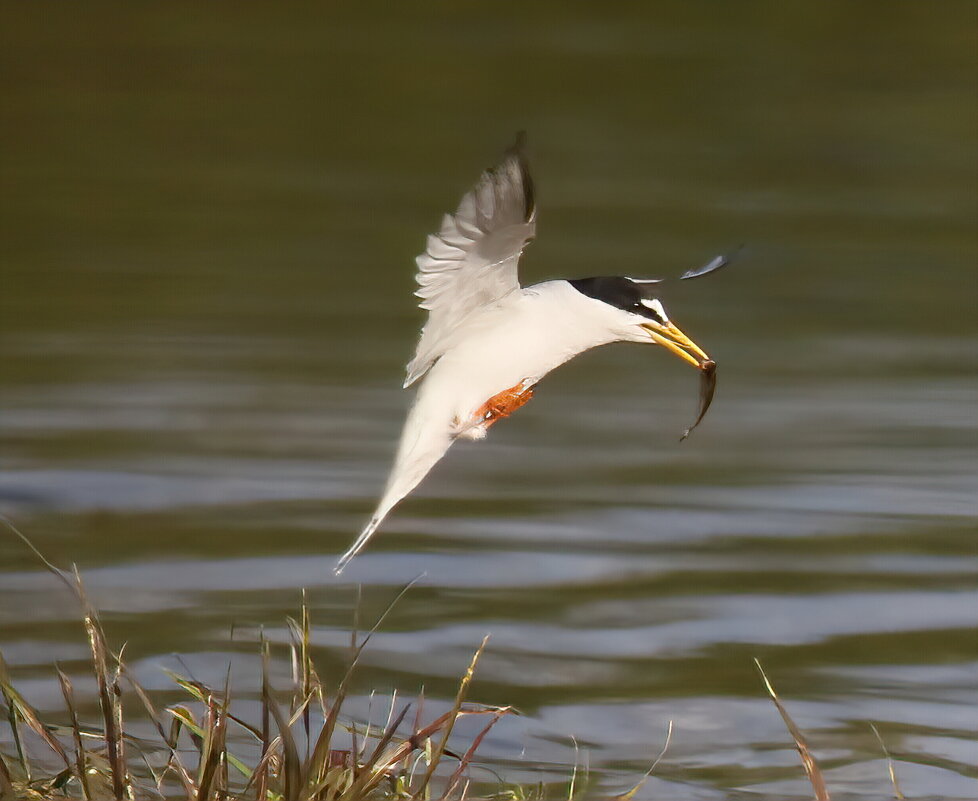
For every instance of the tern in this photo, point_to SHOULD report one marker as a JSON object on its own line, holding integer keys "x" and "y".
{"x": 488, "y": 341}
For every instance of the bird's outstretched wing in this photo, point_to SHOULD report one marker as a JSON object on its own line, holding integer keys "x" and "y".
{"x": 471, "y": 262}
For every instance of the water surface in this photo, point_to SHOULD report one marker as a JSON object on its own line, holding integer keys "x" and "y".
{"x": 208, "y": 225}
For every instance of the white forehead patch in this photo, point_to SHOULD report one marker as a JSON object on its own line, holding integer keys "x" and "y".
{"x": 656, "y": 306}
{"x": 645, "y": 280}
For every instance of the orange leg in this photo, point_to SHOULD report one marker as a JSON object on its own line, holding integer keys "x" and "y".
{"x": 503, "y": 404}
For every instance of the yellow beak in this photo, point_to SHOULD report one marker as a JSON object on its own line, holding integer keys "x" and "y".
{"x": 676, "y": 341}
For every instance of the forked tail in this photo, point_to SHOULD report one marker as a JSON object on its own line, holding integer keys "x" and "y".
{"x": 425, "y": 439}
{"x": 409, "y": 468}
{"x": 359, "y": 544}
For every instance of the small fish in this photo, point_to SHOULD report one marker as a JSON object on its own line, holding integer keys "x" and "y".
{"x": 708, "y": 385}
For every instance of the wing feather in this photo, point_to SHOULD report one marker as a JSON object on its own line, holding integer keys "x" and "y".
{"x": 472, "y": 261}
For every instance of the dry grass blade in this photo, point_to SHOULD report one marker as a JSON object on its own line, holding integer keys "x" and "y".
{"x": 57, "y": 572}
{"x": 577, "y": 761}
{"x": 306, "y": 678}
{"x": 665, "y": 747}
{"x": 463, "y": 689}
{"x": 467, "y": 757}
{"x": 6, "y": 780}
{"x": 318, "y": 763}
{"x": 80, "y": 767}
{"x": 212, "y": 751}
{"x": 375, "y": 769}
{"x": 14, "y": 722}
{"x": 20, "y": 708}
{"x": 270, "y": 745}
{"x": 291, "y": 766}
{"x": 108, "y": 695}
{"x": 261, "y": 772}
{"x": 173, "y": 762}
{"x": 358, "y": 750}
{"x": 418, "y": 712}
{"x": 404, "y": 749}
{"x": 381, "y": 764}
{"x": 811, "y": 766}
{"x": 899, "y": 796}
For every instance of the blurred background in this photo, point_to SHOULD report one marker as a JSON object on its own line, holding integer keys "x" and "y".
{"x": 208, "y": 223}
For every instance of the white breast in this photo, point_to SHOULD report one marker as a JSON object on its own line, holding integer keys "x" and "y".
{"x": 525, "y": 337}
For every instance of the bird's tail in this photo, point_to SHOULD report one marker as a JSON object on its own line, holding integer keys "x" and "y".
{"x": 392, "y": 496}
{"x": 412, "y": 464}
{"x": 359, "y": 544}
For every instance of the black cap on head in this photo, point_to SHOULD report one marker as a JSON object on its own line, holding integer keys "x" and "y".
{"x": 621, "y": 292}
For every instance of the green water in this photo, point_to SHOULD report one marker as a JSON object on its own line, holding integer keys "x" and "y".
{"x": 208, "y": 218}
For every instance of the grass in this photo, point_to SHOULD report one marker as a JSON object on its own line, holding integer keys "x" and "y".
{"x": 301, "y": 749}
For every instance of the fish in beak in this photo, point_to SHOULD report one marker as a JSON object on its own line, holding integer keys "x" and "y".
{"x": 674, "y": 340}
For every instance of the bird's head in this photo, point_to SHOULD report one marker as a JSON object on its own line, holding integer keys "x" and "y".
{"x": 632, "y": 310}
{"x": 638, "y": 315}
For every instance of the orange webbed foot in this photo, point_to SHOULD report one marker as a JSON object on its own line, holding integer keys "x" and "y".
{"x": 504, "y": 403}
{"x": 500, "y": 405}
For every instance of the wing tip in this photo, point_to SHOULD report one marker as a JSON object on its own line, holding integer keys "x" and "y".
{"x": 517, "y": 151}
{"x": 716, "y": 263}
{"x": 519, "y": 143}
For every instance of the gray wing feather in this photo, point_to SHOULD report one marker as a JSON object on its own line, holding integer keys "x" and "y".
{"x": 472, "y": 261}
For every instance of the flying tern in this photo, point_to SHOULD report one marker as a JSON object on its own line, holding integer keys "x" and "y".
{"x": 488, "y": 341}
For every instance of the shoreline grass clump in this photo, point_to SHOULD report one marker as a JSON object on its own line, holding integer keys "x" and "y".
{"x": 302, "y": 749}
{"x": 297, "y": 741}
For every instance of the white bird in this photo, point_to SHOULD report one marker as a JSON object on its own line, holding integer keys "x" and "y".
{"x": 488, "y": 341}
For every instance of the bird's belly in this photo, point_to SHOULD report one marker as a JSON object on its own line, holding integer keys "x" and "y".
{"x": 489, "y": 364}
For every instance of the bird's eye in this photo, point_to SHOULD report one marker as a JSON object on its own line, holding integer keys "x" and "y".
{"x": 643, "y": 310}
